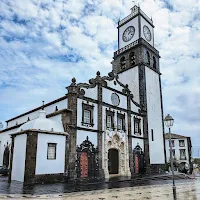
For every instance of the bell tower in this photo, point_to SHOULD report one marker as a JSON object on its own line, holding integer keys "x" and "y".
{"x": 137, "y": 64}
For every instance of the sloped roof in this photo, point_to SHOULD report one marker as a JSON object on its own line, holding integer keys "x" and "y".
{"x": 42, "y": 123}
{"x": 174, "y": 136}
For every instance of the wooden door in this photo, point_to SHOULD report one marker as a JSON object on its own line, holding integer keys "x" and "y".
{"x": 84, "y": 165}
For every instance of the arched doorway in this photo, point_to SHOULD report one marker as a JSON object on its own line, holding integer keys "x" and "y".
{"x": 113, "y": 161}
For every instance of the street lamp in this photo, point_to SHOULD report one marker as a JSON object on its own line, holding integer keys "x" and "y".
{"x": 169, "y": 123}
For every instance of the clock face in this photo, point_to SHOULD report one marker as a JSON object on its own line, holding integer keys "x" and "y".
{"x": 128, "y": 34}
{"x": 147, "y": 33}
{"x": 115, "y": 99}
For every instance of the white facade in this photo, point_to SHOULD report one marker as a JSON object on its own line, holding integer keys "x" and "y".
{"x": 154, "y": 113}
{"x": 177, "y": 149}
{"x": 45, "y": 166}
{"x": 19, "y": 156}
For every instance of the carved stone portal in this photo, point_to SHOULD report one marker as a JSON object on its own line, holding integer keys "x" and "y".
{"x": 116, "y": 153}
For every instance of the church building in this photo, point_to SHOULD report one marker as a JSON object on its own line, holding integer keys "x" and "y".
{"x": 111, "y": 125}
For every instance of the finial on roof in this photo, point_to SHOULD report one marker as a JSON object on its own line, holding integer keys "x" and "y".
{"x": 73, "y": 81}
{"x": 42, "y": 105}
{"x": 98, "y": 73}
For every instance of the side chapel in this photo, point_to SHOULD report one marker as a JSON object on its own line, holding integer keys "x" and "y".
{"x": 111, "y": 125}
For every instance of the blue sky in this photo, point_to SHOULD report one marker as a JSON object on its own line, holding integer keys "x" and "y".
{"x": 43, "y": 44}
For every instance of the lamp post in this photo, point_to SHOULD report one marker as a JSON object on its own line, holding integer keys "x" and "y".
{"x": 169, "y": 123}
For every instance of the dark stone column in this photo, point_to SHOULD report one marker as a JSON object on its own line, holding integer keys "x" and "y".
{"x": 143, "y": 102}
{"x": 30, "y": 162}
{"x": 72, "y": 105}
{"x": 11, "y": 157}
{"x": 100, "y": 129}
{"x": 129, "y": 135}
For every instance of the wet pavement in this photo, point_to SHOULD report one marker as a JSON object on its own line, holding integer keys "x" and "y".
{"x": 186, "y": 190}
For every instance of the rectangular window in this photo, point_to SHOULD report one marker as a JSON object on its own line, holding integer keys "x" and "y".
{"x": 51, "y": 151}
{"x": 182, "y": 154}
{"x": 173, "y": 153}
{"x": 152, "y": 136}
{"x": 181, "y": 143}
{"x": 87, "y": 116}
{"x": 173, "y": 145}
{"x": 119, "y": 124}
{"x": 137, "y": 129}
{"x": 109, "y": 121}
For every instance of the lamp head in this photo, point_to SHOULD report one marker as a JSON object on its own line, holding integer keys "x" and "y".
{"x": 169, "y": 121}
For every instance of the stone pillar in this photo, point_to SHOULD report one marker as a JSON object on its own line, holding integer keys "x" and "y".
{"x": 11, "y": 157}
{"x": 143, "y": 102}
{"x": 30, "y": 162}
{"x": 72, "y": 105}
{"x": 130, "y": 150}
{"x": 100, "y": 125}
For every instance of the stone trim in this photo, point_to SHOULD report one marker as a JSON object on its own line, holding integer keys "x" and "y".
{"x": 13, "y": 127}
{"x": 114, "y": 90}
{"x": 30, "y": 161}
{"x": 86, "y": 129}
{"x": 50, "y": 178}
{"x": 133, "y": 136}
{"x": 39, "y": 131}
{"x": 58, "y": 112}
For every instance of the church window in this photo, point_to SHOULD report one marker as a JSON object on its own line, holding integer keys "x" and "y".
{"x": 154, "y": 62}
{"x": 121, "y": 121}
{"x": 86, "y": 117}
{"x": 148, "y": 58}
{"x": 123, "y": 63}
{"x": 132, "y": 58}
{"x": 137, "y": 129}
{"x": 109, "y": 119}
{"x": 51, "y": 151}
{"x": 87, "y": 114}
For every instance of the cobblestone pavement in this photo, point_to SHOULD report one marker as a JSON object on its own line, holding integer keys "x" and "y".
{"x": 187, "y": 190}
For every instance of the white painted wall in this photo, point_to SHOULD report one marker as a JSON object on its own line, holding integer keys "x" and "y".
{"x": 133, "y": 22}
{"x": 131, "y": 77}
{"x": 136, "y": 141}
{"x": 91, "y": 92}
{"x": 79, "y": 114}
{"x": 177, "y": 149}
{"x": 49, "y": 109}
{"x": 107, "y": 98}
{"x": 45, "y": 166}
{"x": 154, "y": 114}
{"x": 19, "y": 158}
{"x": 4, "y": 138}
{"x": 81, "y": 136}
{"x": 143, "y": 23}
{"x": 57, "y": 118}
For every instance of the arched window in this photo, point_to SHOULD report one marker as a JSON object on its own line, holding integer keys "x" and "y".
{"x": 148, "y": 57}
{"x": 154, "y": 62}
{"x": 132, "y": 58}
{"x": 123, "y": 63}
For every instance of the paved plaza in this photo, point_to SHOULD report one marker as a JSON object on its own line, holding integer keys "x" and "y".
{"x": 186, "y": 190}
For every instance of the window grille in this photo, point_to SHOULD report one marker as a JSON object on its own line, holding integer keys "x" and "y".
{"x": 87, "y": 116}
{"x": 119, "y": 123}
{"x": 51, "y": 151}
{"x": 109, "y": 121}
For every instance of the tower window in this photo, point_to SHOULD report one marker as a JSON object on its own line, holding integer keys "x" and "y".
{"x": 154, "y": 62}
{"x": 132, "y": 58}
{"x": 123, "y": 63}
{"x": 152, "y": 136}
{"x": 148, "y": 58}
